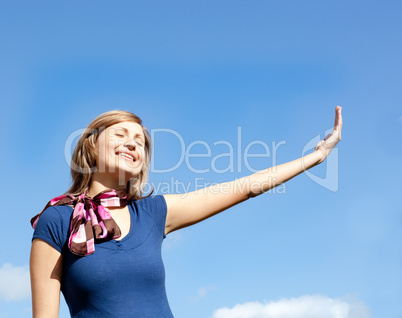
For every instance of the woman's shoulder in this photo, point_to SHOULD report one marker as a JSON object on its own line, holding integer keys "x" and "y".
{"x": 52, "y": 226}
{"x": 152, "y": 203}
{"x": 154, "y": 206}
{"x": 56, "y": 214}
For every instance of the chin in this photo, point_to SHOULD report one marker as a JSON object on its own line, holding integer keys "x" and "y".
{"x": 125, "y": 174}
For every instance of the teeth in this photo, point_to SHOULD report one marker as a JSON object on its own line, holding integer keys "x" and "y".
{"x": 126, "y": 155}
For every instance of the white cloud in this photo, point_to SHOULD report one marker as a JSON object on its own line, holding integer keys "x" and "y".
{"x": 202, "y": 293}
{"x": 14, "y": 282}
{"x": 400, "y": 118}
{"x": 303, "y": 307}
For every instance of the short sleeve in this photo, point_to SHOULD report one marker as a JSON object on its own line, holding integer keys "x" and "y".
{"x": 156, "y": 206}
{"x": 52, "y": 226}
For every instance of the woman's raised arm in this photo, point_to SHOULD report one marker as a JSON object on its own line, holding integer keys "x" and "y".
{"x": 46, "y": 272}
{"x": 190, "y": 208}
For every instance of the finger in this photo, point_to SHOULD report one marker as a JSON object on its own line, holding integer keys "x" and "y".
{"x": 339, "y": 127}
{"x": 338, "y": 118}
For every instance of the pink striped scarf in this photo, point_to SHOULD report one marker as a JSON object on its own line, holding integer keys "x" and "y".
{"x": 91, "y": 220}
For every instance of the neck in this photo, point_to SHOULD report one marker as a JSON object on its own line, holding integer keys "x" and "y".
{"x": 100, "y": 184}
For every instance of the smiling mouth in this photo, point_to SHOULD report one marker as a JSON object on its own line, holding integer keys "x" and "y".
{"x": 126, "y": 156}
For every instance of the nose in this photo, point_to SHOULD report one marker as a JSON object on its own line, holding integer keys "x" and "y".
{"x": 130, "y": 145}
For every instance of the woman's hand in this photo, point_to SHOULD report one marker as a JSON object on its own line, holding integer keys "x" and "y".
{"x": 325, "y": 146}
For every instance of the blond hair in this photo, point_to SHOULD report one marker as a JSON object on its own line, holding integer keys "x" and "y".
{"x": 83, "y": 161}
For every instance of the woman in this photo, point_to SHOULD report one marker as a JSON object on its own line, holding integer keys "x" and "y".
{"x": 101, "y": 243}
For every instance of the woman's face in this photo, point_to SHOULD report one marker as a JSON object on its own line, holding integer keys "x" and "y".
{"x": 121, "y": 151}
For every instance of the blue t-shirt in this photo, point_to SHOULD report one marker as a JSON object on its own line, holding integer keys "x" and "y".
{"x": 123, "y": 278}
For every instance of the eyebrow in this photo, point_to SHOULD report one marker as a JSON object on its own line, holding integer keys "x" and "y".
{"x": 126, "y": 131}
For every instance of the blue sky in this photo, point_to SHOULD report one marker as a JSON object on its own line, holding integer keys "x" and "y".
{"x": 267, "y": 72}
